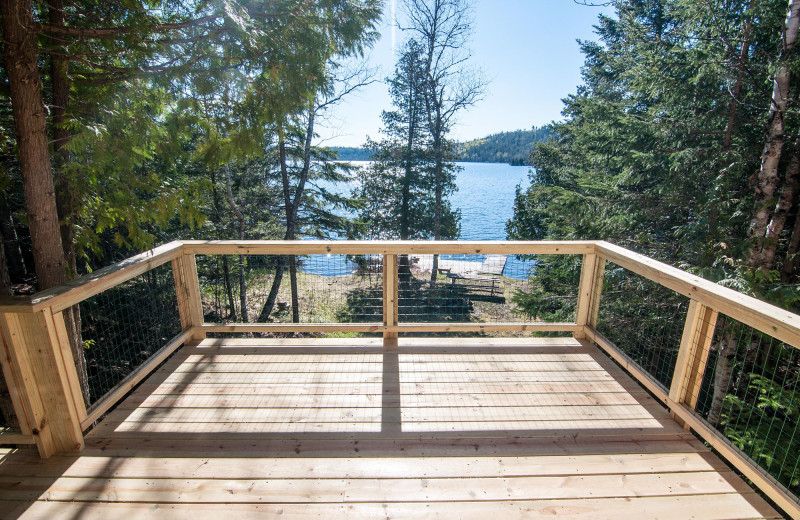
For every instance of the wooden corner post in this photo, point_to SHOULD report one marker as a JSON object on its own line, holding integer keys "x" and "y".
{"x": 38, "y": 364}
{"x": 698, "y": 331}
{"x": 390, "y": 299}
{"x": 589, "y": 291}
{"x": 187, "y": 289}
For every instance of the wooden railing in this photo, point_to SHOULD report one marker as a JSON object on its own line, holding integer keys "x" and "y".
{"x": 39, "y": 367}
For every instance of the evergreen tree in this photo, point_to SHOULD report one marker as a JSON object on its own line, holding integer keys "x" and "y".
{"x": 398, "y": 189}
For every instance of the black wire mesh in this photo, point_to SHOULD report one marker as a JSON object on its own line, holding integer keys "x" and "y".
{"x": 750, "y": 392}
{"x": 124, "y": 326}
{"x": 644, "y": 320}
{"x": 330, "y": 288}
{"x": 487, "y": 288}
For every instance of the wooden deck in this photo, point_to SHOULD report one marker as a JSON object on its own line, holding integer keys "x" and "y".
{"x": 462, "y": 429}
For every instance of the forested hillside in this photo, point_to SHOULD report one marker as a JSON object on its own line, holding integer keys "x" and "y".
{"x": 506, "y": 147}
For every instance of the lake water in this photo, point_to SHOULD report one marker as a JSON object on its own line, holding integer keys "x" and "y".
{"x": 485, "y": 198}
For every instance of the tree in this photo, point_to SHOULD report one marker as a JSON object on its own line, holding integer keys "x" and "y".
{"x": 442, "y": 28}
{"x": 302, "y": 165}
{"x": 398, "y": 190}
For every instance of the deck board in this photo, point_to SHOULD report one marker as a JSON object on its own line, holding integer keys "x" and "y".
{"x": 344, "y": 429}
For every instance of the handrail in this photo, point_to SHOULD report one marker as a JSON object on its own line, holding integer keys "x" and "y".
{"x": 83, "y": 287}
{"x": 386, "y": 247}
{"x": 770, "y": 319}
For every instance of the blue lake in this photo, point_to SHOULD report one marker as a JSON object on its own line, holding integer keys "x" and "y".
{"x": 485, "y": 198}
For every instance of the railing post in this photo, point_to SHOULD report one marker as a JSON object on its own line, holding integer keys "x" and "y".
{"x": 187, "y": 289}
{"x": 390, "y": 299}
{"x": 38, "y": 363}
{"x": 698, "y": 331}
{"x": 591, "y": 286}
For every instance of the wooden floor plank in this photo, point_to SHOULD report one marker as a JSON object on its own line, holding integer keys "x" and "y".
{"x": 283, "y": 490}
{"x": 684, "y": 458}
{"x": 717, "y": 507}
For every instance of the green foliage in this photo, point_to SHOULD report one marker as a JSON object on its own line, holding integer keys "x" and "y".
{"x": 512, "y": 147}
{"x": 552, "y": 294}
{"x": 655, "y": 152}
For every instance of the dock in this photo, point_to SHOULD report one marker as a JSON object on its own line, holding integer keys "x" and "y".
{"x": 491, "y": 265}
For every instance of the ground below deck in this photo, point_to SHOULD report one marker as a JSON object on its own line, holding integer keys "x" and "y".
{"x": 466, "y": 429}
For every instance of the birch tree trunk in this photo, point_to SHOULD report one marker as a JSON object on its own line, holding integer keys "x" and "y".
{"x": 769, "y": 181}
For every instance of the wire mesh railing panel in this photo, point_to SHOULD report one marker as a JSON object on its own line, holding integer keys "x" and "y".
{"x": 122, "y": 327}
{"x": 750, "y": 393}
{"x": 283, "y": 289}
{"x": 644, "y": 320}
{"x": 487, "y": 288}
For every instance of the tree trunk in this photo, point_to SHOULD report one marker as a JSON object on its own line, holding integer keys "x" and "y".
{"x": 404, "y": 261}
{"x": 291, "y": 208}
{"x": 438, "y": 188}
{"x": 768, "y": 178}
{"x": 269, "y": 305}
{"x": 240, "y": 218}
{"x": 226, "y": 280}
{"x": 737, "y": 85}
{"x": 290, "y": 221}
{"x": 65, "y": 199}
{"x": 709, "y": 256}
{"x": 15, "y": 258}
{"x": 787, "y": 273}
{"x": 722, "y": 376}
{"x": 293, "y": 286}
{"x": 785, "y": 203}
{"x": 19, "y": 32}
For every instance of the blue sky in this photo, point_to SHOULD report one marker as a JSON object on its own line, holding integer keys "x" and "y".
{"x": 527, "y": 50}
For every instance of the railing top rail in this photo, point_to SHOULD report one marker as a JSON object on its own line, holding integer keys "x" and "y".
{"x": 770, "y": 319}
{"x": 391, "y": 247}
{"x": 88, "y": 285}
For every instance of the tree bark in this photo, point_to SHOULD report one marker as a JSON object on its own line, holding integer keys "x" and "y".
{"x": 16, "y": 263}
{"x": 768, "y": 178}
{"x": 20, "y": 35}
{"x": 787, "y": 273}
{"x": 290, "y": 222}
{"x": 65, "y": 198}
{"x": 709, "y": 256}
{"x": 240, "y": 218}
{"x": 226, "y": 280}
{"x": 722, "y": 376}
{"x": 785, "y": 203}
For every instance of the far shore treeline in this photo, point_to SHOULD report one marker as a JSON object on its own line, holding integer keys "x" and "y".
{"x": 512, "y": 147}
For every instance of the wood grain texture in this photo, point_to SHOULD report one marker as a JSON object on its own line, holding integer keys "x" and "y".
{"x": 343, "y": 428}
